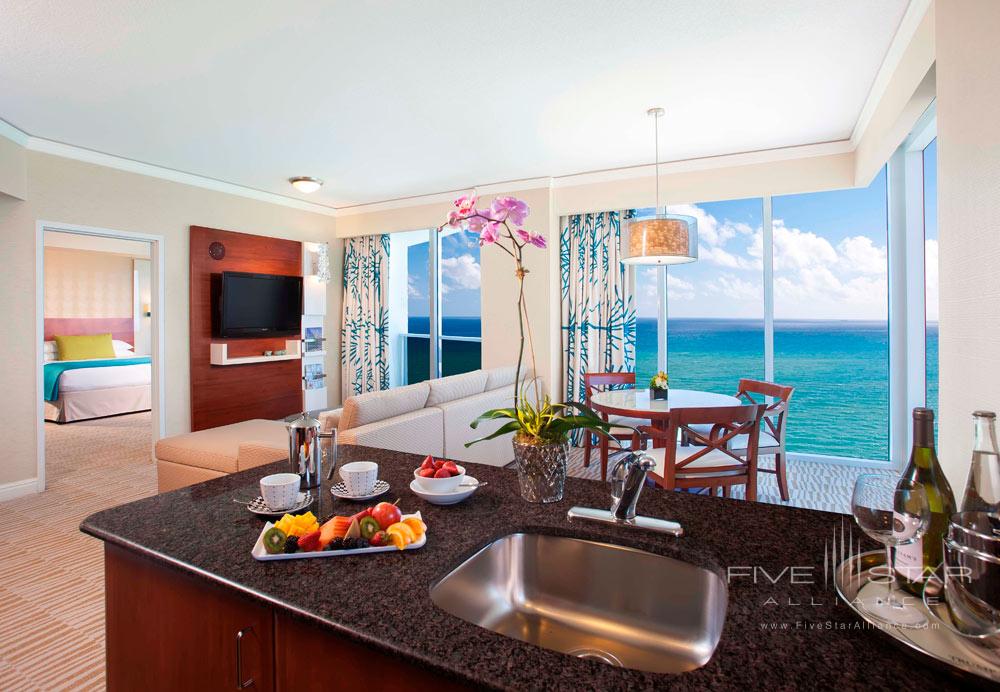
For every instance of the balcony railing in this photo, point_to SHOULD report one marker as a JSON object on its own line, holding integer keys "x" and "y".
{"x": 458, "y": 354}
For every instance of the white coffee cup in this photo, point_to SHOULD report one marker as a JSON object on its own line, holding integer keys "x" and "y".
{"x": 280, "y": 490}
{"x": 359, "y": 477}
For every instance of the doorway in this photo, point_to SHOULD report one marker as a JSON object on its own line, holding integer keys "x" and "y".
{"x": 105, "y": 407}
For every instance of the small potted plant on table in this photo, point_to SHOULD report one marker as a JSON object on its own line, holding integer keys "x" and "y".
{"x": 659, "y": 386}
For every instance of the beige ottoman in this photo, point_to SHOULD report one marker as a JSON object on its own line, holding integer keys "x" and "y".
{"x": 200, "y": 456}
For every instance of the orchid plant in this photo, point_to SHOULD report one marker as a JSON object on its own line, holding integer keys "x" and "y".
{"x": 542, "y": 422}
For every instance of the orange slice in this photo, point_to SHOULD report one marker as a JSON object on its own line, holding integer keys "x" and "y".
{"x": 406, "y": 531}
{"x": 418, "y": 527}
{"x": 398, "y": 539}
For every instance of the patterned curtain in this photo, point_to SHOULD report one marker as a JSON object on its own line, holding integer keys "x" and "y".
{"x": 598, "y": 311}
{"x": 364, "y": 335}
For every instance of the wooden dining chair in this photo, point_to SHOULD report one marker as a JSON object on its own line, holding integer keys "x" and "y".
{"x": 708, "y": 462}
{"x": 775, "y": 418}
{"x": 594, "y": 382}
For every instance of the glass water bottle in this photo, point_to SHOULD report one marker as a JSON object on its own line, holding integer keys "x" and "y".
{"x": 982, "y": 492}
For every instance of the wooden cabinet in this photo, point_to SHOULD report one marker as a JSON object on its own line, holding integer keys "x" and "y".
{"x": 308, "y": 657}
{"x": 167, "y": 630}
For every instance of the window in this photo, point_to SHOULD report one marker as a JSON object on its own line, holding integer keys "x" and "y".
{"x": 461, "y": 332}
{"x": 831, "y": 331}
{"x": 931, "y": 272}
{"x": 714, "y": 308}
{"x": 434, "y": 304}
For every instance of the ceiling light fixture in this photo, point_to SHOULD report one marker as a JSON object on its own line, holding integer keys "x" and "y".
{"x": 304, "y": 183}
{"x": 659, "y": 238}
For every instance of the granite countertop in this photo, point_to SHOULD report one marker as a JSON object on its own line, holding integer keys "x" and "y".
{"x": 778, "y": 634}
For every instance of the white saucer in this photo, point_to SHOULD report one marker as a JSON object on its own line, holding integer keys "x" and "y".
{"x": 452, "y": 497}
{"x": 260, "y": 508}
{"x": 339, "y": 490}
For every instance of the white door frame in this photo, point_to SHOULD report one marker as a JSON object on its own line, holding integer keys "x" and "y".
{"x": 156, "y": 256}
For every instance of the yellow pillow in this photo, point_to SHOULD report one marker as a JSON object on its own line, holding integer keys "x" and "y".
{"x": 85, "y": 347}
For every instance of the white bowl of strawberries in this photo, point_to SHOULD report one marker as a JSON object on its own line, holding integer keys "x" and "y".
{"x": 438, "y": 476}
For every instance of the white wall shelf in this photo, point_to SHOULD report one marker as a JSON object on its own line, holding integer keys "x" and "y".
{"x": 220, "y": 355}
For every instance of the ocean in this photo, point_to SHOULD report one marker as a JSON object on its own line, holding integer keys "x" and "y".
{"x": 840, "y": 370}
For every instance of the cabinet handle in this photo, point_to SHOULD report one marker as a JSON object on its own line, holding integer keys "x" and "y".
{"x": 241, "y": 684}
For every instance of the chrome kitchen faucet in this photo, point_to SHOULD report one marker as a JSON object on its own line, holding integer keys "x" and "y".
{"x": 627, "y": 478}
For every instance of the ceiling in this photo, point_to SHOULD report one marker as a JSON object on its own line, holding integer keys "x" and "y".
{"x": 392, "y": 98}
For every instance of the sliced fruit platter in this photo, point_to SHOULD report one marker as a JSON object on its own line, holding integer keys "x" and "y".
{"x": 377, "y": 529}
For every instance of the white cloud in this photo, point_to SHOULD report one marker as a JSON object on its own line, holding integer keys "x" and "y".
{"x": 459, "y": 272}
{"x": 679, "y": 289}
{"x": 711, "y": 230}
{"x": 735, "y": 288}
{"x": 860, "y": 255}
{"x": 412, "y": 290}
{"x": 814, "y": 278}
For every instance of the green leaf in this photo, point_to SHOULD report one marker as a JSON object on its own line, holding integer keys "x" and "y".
{"x": 493, "y": 414}
{"x": 509, "y": 427}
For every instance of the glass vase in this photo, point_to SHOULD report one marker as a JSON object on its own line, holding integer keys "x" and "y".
{"x": 541, "y": 470}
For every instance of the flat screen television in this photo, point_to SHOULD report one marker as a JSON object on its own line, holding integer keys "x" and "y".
{"x": 258, "y": 305}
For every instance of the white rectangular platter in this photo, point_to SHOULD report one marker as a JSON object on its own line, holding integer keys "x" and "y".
{"x": 259, "y": 553}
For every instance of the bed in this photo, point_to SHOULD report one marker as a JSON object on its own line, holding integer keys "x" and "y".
{"x": 81, "y": 390}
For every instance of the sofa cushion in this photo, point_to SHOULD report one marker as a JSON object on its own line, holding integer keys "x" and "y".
{"x": 218, "y": 448}
{"x": 501, "y": 377}
{"x": 456, "y": 387}
{"x": 457, "y": 416}
{"x": 418, "y": 432}
{"x": 375, "y": 406}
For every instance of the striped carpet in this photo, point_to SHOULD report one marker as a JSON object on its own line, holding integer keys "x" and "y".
{"x": 51, "y": 575}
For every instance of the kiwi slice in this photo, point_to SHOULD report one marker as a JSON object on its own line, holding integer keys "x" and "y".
{"x": 368, "y": 527}
{"x": 274, "y": 540}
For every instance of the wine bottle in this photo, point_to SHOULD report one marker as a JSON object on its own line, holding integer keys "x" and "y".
{"x": 915, "y": 561}
{"x": 982, "y": 491}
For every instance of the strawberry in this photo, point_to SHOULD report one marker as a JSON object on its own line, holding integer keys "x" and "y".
{"x": 309, "y": 542}
{"x": 380, "y": 539}
{"x": 450, "y": 467}
{"x": 440, "y": 473}
{"x": 438, "y": 464}
{"x": 426, "y": 473}
{"x": 428, "y": 462}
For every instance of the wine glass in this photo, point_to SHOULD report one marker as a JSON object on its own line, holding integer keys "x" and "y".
{"x": 893, "y": 511}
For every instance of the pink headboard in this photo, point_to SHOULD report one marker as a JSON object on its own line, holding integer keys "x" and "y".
{"x": 121, "y": 328}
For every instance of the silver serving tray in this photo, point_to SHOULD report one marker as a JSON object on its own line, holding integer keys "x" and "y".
{"x": 977, "y": 656}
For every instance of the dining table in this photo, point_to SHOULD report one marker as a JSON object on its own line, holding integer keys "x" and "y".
{"x": 639, "y": 403}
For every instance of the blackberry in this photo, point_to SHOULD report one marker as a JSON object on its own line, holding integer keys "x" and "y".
{"x": 336, "y": 544}
{"x": 291, "y": 544}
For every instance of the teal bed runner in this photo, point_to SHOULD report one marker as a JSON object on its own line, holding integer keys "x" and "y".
{"x": 54, "y": 370}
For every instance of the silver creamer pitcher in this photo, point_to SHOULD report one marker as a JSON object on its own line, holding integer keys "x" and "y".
{"x": 305, "y": 454}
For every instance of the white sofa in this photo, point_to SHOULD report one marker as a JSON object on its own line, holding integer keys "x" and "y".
{"x": 430, "y": 417}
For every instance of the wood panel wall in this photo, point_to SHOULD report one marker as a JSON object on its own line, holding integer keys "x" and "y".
{"x": 223, "y": 394}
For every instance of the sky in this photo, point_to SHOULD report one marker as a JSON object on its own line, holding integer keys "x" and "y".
{"x": 460, "y": 276}
{"x": 829, "y": 259}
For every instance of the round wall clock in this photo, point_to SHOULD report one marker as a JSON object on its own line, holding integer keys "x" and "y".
{"x": 217, "y": 250}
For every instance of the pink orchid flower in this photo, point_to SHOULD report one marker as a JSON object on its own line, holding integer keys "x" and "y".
{"x": 455, "y": 219}
{"x": 535, "y": 239}
{"x": 478, "y": 218}
{"x": 466, "y": 204}
{"x": 509, "y": 209}
{"x": 490, "y": 233}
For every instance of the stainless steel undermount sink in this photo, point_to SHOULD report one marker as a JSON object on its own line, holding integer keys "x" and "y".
{"x": 622, "y": 606}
